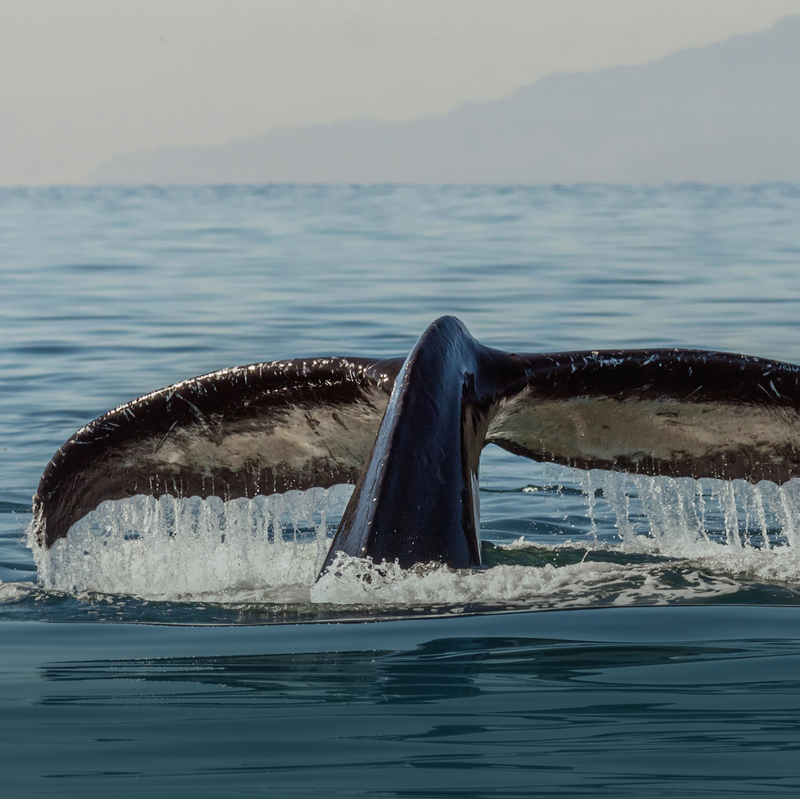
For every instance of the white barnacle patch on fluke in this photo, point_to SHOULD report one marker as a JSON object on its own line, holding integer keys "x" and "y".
{"x": 701, "y": 438}
{"x": 338, "y": 436}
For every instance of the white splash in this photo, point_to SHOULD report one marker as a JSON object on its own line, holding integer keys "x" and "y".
{"x": 694, "y": 518}
{"x": 12, "y": 592}
{"x": 712, "y": 536}
{"x": 185, "y": 548}
{"x": 353, "y": 581}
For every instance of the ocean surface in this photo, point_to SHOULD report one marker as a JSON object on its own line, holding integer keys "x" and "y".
{"x": 631, "y": 636}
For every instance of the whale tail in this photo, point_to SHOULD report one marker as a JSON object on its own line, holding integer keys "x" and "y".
{"x": 409, "y": 434}
{"x": 259, "y": 429}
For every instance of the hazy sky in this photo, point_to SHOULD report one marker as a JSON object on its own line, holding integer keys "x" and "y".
{"x": 83, "y": 80}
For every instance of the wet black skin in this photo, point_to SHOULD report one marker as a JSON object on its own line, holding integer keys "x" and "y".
{"x": 416, "y": 500}
{"x": 409, "y": 433}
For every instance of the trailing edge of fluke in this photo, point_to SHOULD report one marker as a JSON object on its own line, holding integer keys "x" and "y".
{"x": 409, "y": 433}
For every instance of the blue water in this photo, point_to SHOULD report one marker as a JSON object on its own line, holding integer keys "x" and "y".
{"x": 642, "y": 652}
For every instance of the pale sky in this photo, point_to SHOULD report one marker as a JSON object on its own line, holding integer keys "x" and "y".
{"x": 83, "y": 80}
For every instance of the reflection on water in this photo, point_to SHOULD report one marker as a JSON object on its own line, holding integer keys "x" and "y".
{"x": 438, "y": 670}
{"x": 451, "y": 714}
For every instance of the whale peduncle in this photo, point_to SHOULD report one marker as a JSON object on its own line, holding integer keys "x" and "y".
{"x": 417, "y": 499}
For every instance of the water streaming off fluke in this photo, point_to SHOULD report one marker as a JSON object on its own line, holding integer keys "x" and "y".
{"x": 593, "y": 538}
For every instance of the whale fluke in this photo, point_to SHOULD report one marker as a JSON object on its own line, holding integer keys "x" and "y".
{"x": 409, "y": 433}
{"x": 677, "y": 413}
{"x": 259, "y": 429}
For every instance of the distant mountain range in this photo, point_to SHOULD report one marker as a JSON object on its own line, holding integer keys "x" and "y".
{"x": 727, "y": 113}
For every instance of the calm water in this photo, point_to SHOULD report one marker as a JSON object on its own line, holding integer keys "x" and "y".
{"x": 667, "y": 661}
